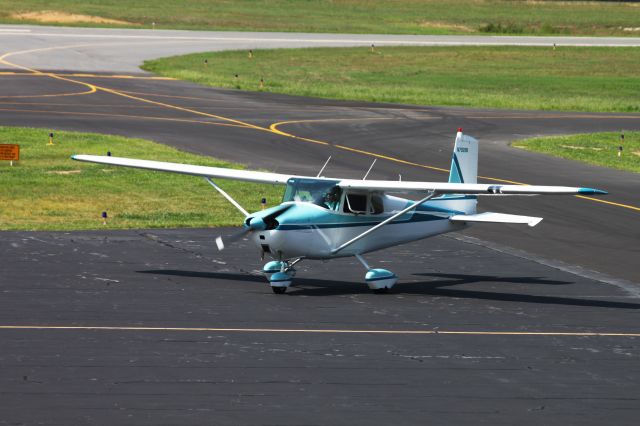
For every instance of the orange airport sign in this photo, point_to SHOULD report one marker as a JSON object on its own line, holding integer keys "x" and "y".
{"x": 9, "y": 152}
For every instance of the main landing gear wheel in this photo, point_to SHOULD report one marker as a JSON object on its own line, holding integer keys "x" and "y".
{"x": 380, "y": 280}
{"x": 279, "y": 290}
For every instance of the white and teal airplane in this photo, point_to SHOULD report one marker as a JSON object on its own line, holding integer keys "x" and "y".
{"x": 324, "y": 218}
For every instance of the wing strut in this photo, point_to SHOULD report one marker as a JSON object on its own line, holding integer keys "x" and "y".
{"x": 227, "y": 196}
{"x": 384, "y": 222}
{"x": 324, "y": 166}
{"x": 370, "y": 167}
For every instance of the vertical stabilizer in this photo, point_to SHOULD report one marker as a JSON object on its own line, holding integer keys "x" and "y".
{"x": 464, "y": 163}
{"x": 464, "y": 169}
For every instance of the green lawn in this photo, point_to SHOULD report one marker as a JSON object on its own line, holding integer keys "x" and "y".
{"x": 47, "y": 190}
{"x": 352, "y": 16}
{"x": 571, "y": 79}
{"x": 600, "y": 149}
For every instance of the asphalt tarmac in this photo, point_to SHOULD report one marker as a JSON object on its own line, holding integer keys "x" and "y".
{"x": 534, "y": 325}
{"x": 470, "y": 335}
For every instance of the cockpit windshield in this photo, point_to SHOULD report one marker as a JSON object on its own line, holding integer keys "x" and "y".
{"x": 323, "y": 193}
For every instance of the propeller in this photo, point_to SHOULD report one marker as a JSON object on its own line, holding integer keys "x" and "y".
{"x": 232, "y": 238}
{"x": 252, "y": 224}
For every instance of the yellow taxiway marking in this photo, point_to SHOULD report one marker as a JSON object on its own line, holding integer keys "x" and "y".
{"x": 626, "y": 206}
{"x": 75, "y": 105}
{"x": 134, "y": 77}
{"x": 157, "y": 95}
{"x": 137, "y": 117}
{"x": 94, "y": 88}
{"x": 325, "y": 331}
{"x": 51, "y": 95}
{"x": 273, "y": 128}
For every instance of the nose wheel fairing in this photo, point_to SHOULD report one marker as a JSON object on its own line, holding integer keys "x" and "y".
{"x": 280, "y": 274}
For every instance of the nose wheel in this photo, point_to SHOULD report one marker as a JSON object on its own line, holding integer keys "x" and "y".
{"x": 280, "y": 274}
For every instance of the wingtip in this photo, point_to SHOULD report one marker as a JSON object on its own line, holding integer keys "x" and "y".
{"x": 592, "y": 191}
{"x": 534, "y": 221}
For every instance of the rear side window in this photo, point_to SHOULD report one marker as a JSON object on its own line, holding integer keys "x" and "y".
{"x": 377, "y": 205}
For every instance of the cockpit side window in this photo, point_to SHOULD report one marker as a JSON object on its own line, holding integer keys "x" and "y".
{"x": 332, "y": 198}
{"x": 323, "y": 193}
{"x": 355, "y": 203}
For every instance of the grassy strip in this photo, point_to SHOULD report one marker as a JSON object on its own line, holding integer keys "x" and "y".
{"x": 600, "y": 149}
{"x": 345, "y": 16}
{"x": 47, "y": 190}
{"x": 570, "y": 79}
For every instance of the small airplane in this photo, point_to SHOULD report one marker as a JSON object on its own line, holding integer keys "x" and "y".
{"x": 326, "y": 218}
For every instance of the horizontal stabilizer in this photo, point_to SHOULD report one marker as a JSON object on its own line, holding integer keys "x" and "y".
{"x": 496, "y": 218}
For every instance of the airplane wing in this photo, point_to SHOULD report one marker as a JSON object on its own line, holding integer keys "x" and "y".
{"x": 490, "y": 217}
{"x": 188, "y": 169}
{"x": 370, "y": 185}
{"x": 463, "y": 188}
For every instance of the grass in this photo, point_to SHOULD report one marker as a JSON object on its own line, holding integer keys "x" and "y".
{"x": 352, "y": 16}
{"x": 47, "y": 190}
{"x": 570, "y": 79}
{"x": 600, "y": 149}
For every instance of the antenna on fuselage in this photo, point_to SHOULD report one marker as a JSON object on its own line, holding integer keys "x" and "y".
{"x": 323, "y": 167}
{"x": 370, "y": 167}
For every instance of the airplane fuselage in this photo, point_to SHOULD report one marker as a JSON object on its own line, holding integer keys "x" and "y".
{"x": 303, "y": 229}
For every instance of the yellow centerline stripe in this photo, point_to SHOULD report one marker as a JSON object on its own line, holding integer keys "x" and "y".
{"x": 626, "y": 206}
{"x": 52, "y": 95}
{"x": 274, "y": 127}
{"x": 141, "y": 117}
{"x": 117, "y": 76}
{"x": 193, "y": 111}
{"x": 398, "y": 160}
{"x": 93, "y": 88}
{"x": 326, "y": 331}
{"x": 158, "y": 95}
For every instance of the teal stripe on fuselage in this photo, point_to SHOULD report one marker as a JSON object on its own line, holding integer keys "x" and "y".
{"x": 455, "y": 175}
{"x": 308, "y": 216}
{"x": 415, "y": 218}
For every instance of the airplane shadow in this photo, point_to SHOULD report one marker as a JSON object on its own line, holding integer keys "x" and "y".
{"x": 436, "y": 288}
